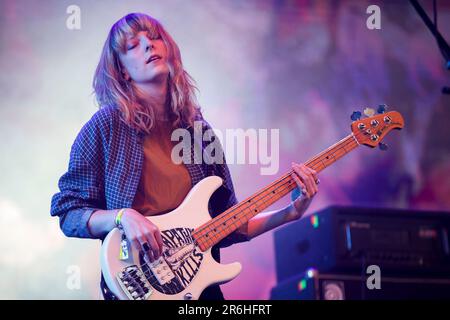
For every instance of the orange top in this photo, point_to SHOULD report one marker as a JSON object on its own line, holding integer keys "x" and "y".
{"x": 163, "y": 184}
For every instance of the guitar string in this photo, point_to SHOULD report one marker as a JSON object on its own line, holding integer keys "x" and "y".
{"x": 145, "y": 268}
{"x": 148, "y": 273}
{"x": 312, "y": 163}
{"x": 257, "y": 194}
{"x": 342, "y": 142}
{"x": 219, "y": 236}
{"x": 314, "y": 160}
{"x": 228, "y": 216}
{"x": 210, "y": 240}
{"x": 234, "y": 217}
{"x": 317, "y": 159}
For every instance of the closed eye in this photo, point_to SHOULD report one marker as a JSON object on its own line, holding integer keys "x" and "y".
{"x": 132, "y": 46}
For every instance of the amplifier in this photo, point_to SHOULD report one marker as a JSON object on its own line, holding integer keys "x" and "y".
{"x": 312, "y": 285}
{"x": 344, "y": 239}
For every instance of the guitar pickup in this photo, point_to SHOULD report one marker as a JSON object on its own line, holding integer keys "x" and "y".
{"x": 161, "y": 270}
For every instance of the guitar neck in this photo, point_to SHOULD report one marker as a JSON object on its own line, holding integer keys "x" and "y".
{"x": 212, "y": 232}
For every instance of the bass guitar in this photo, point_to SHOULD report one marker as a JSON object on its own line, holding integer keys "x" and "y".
{"x": 186, "y": 266}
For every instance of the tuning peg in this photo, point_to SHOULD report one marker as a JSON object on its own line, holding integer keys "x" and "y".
{"x": 356, "y": 115}
{"x": 383, "y": 146}
{"x": 369, "y": 112}
{"x": 381, "y": 108}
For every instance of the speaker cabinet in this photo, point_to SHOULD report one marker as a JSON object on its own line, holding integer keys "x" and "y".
{"x": 312, "y": 285}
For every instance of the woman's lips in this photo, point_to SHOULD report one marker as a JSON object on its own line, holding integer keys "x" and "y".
{"x": 153, "y": 58}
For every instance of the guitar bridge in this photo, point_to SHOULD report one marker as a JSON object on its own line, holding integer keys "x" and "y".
{"x": 134, "y": 283}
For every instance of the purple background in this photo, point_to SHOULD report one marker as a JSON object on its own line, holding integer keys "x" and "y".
{"x": 300, "y": 66}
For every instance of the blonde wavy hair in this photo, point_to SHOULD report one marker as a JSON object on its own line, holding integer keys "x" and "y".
{"x": 112, "y": 89}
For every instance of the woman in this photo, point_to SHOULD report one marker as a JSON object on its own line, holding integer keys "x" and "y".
{"x": 120, "y": 163}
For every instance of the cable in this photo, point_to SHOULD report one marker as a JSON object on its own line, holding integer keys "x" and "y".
{"x": 435, "y": 14}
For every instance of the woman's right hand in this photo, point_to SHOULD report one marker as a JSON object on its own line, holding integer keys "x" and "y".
{"x": 142, "y": 233}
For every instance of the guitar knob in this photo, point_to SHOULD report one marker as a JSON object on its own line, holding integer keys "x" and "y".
{"x": 369, "y": 112}
{"x": 356, "y": 115}
{"x": 383, "y": 146}
{"x": 382, "y": 108}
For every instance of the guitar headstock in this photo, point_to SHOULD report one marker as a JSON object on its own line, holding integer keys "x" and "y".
{"x": 371, "y": 131}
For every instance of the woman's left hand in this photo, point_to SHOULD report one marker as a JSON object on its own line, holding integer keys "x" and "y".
{"x": 307, "y": 181}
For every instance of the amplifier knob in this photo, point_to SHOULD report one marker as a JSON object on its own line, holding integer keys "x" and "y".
{"x": 333, "y": 291}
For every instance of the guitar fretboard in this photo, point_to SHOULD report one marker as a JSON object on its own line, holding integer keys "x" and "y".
{"x": 212, "y": 232}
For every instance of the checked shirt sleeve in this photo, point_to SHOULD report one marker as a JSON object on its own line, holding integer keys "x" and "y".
{"x": 81, "y": 188}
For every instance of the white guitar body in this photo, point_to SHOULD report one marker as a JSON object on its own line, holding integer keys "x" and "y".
{"x": 183, "y": 271}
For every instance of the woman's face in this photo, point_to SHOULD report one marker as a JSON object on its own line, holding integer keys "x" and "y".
{"x": 145, "y": 59}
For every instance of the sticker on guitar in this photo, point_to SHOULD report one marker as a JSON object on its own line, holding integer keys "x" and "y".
{"x": 174, "y": 270}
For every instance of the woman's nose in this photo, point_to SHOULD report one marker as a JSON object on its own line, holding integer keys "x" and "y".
{"x": 149, "y": 46}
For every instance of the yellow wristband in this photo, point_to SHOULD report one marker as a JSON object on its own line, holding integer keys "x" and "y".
{"x": 119, "y": 218}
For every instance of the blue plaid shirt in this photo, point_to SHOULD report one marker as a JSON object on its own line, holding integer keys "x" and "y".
{"x": 104, "y": 171}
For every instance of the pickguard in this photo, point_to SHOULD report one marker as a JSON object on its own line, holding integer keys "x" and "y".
{"x": 181, "y": 255}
